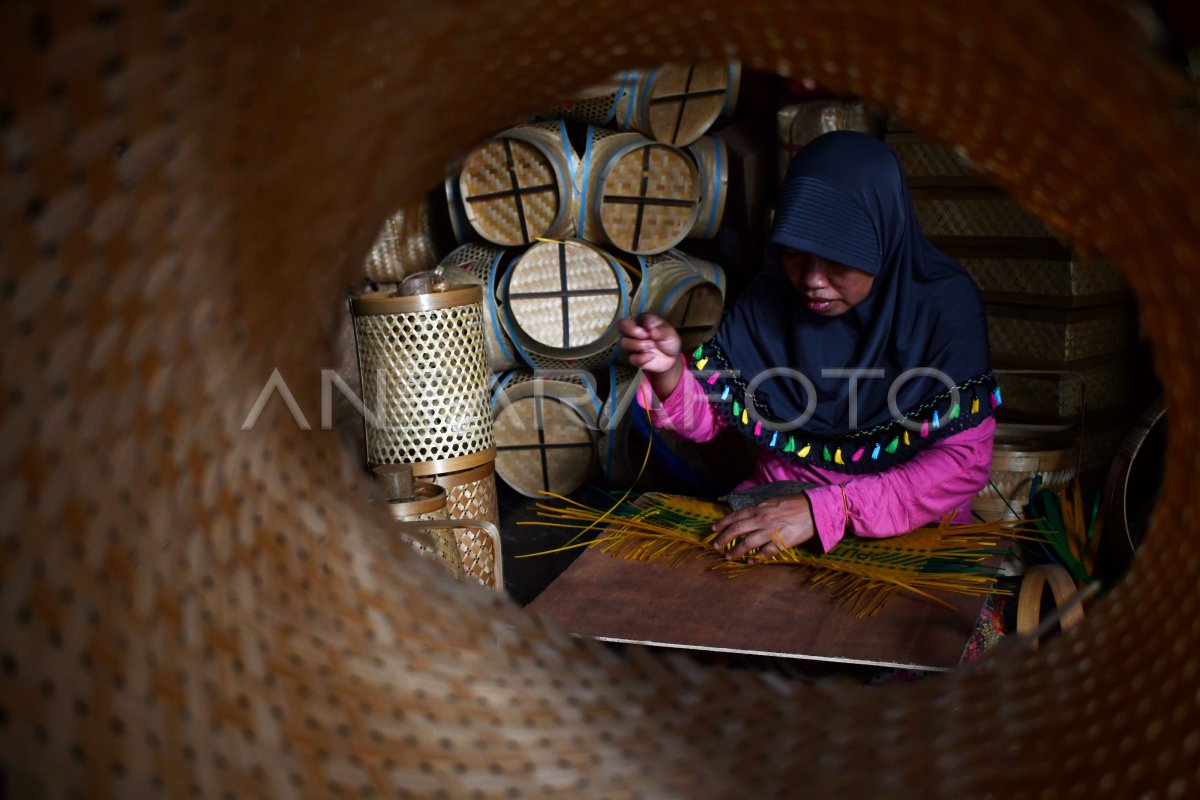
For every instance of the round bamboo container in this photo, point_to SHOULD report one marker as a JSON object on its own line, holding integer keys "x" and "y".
{"x": 471, "y": 495}
{"x": 1015, "y": 464}
{"x": 676, "y": 104}
{"x": 638, "y": 195}
{"x": 712, "y": 161}
{"x": 424, "y": 378}
{"x": 687, "y": 292}
{"x": 545, "y": 431}
{"x": 478, "y": 264}
{"x": 561, "y": 303}
{"x": 405, "y": 244}
{"x": 521, "y": 185}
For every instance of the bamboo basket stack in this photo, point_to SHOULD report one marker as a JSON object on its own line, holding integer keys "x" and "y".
{"x": 799, "y": 123}
{"x": 566, "y": 225}
{"x": 1061, "y": 326}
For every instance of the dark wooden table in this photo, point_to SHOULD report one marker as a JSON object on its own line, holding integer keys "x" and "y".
{"x": 764, "y": 612}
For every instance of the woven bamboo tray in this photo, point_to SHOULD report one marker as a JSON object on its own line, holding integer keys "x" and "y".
{"x": 687, "y": 292}
{"x": 677, "y": 104}
{"x": 974, "y": 211}
{"x": 1057, "y": 396}
{"x": 562, "y": 302}
{"x": 1029, "y": 337}
{"x": 471, "y": 494}
{"x": 546, "y": 429}
{"x": 800, "y": 123}
{"x": 712, "y": 161}
{"x": 479, "y": 264}
{"x": 425, "y": 379}
{"x": 1015, "y": 463}
{"x": 404, "y": 245}
{"x": 638, "y": 195}
{"x": 521, "y": 185}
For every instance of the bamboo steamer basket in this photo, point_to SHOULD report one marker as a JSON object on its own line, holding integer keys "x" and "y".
{"x": 1016, "y": 461}
{"x": 546, "y": 426}
{"x": 520, "y": 185}
{"x": 712, "y": 162}
{"x": 638, "y": 195}
{"x": 562, "y": 302}
{"x": 687, "y": 292}
{"x": 480, "y": 264}
{"x": 424, "y": 377}
{"x": 405, "y": 244}
{"x": 800, "y": 123}
{"x": 676, "y": 104}
{"x": 471, "y": 495}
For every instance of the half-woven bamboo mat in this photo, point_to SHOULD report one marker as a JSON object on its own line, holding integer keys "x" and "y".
{"x": 680, "y": 601}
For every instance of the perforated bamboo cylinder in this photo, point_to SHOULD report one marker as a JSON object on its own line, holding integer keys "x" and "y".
{"x": 412, "y": 501}
{"x": 546, "y": 428}
{"x": 521, "y": 185}
{"x": 561, "y": 304}
{"x": 712, "y": 161}
{"x": 479, "y": 264}
{"x": 638, "y": 195}
{"x": 687, "y": 292}
{"x": 424, "y": 378}
{"x": 676, "y": 104}
{"x": 608, "y": 104}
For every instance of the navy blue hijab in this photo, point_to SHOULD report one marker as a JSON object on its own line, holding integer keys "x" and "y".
{"x": 845, "y": 199}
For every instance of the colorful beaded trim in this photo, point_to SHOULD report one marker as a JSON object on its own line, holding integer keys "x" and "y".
{"x": 862, "y": 451}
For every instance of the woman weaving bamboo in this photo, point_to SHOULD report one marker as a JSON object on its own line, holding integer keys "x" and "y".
{"x": 857, "y": 360}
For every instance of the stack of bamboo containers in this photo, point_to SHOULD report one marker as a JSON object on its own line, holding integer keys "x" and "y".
{"x": 1062, "y": 326}
{"x": 567, "y": 224}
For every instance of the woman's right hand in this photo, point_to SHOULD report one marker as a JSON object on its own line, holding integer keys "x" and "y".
{"x": 653, "y": 347}
{"x": 652, "y": 344}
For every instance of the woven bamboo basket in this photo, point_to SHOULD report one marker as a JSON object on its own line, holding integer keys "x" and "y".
{"x": 471, "y": 495}
{"x": 520, "y": 185}
{"x": 609, "y": 104}
{"x": 800, "y": 123}
{"x": 687, "y": 292}
{"x": 1070, "y": 282}
{"x": 712, "y": 161}
{"x": 1054, "y": 338}
{"x": 923, "y": 159}
{"x": 478, "y": 264}
{"x": 676, "y": 104}
{"x": 974, "y": 211}
{"x": 1057, "y": 396}
{"x": 562, "y": 302}
{"x": 546, "y": 427}
{"x": 404, "y": 245}
{"x": 638, "y": 195}
{"x": 1016, "y": 461}
{"x": 424, "y": 377}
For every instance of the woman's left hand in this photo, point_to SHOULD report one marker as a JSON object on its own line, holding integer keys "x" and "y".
{"x": 786, "y": 521}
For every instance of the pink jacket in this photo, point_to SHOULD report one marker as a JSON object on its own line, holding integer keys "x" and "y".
{"x": 941, "y": 479}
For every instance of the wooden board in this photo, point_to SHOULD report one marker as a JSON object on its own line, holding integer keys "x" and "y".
{"x": 765, "y": 612}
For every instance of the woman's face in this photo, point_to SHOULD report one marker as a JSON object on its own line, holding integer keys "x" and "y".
{"x": 829, "y": 288}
